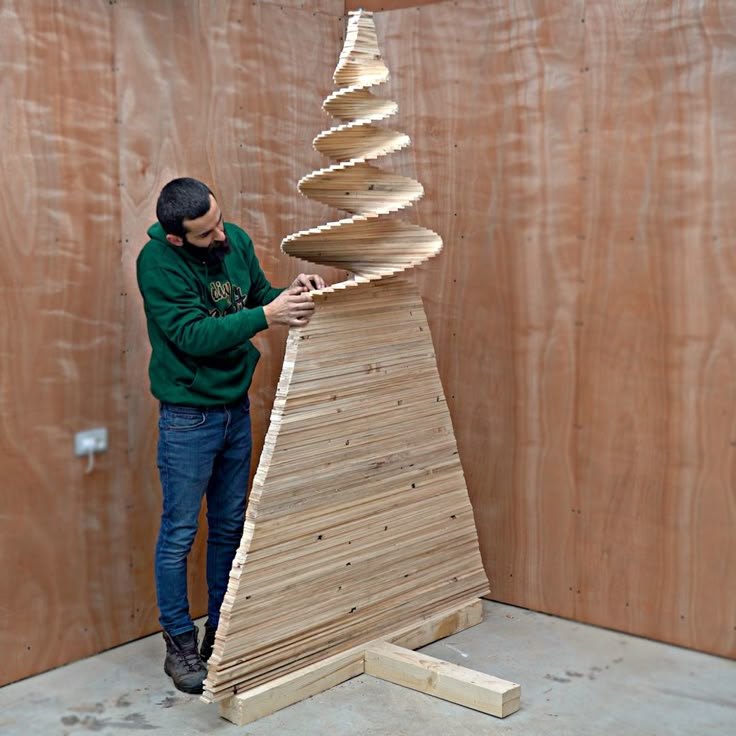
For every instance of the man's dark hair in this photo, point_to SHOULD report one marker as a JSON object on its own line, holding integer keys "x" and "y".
{"x": 182, "y": 199}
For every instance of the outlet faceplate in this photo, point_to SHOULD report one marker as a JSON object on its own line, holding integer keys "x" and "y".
{"x": 91, "y": 440}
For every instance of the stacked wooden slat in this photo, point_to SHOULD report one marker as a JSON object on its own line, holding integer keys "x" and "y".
{"x": 369, "y": 247}
{"x": 368, "y": 244}
{"x": 359, "y": 519}
{"x": 359, "y": 141}
{"x": 360, "y": 187}
{"x": 360, "y": 61}
{"x": 359, "y": 522}
{"x": 353, "y": 103}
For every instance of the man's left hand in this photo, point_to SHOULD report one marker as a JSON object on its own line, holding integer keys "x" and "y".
{"x": 308, "y": 282}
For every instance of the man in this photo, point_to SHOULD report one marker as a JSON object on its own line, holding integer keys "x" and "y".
{"x": 205, "y": 296}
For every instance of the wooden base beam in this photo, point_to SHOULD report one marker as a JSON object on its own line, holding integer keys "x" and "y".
{"x": 292, "y": 688}
{"x": 389, "y": 661}
{"x": 444, "y": 680}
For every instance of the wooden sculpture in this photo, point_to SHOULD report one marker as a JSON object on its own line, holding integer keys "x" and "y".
{"x": 359, "y": 531}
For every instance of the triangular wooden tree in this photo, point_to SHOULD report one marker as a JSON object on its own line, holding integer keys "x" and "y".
{"x": 359, "y": 525}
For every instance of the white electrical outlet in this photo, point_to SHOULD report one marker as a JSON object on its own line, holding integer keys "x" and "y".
{"x": 92, "y": 440}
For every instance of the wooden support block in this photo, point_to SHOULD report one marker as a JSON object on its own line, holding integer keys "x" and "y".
{"x": 444, "y": 680}
{"x": 265, "y": 699}
{"x": 439, "y": 626}
{"x": 292, "y": 688}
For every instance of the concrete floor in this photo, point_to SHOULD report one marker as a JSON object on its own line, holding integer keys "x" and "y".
{"x": 575, "y": 679}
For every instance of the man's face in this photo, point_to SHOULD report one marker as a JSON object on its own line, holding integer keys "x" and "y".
{"x": 207, "y": 231}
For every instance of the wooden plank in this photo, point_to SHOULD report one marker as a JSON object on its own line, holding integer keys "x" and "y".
{"x": 294, "y": 687}
{"x": 373, "y": 457}
{"x": 439, "y": 626}
{"x": 444, "y": 680}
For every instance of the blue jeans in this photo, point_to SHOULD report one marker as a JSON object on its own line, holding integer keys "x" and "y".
{"x": 201, "y": 451}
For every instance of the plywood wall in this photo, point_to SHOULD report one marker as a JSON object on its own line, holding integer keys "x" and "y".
{"x": 102, "y": 103}
{"x": 576, "y": 158}
{"x": 578, "y": 161}
{"x": 65, "y": 536}
{"x": 223, "y": 92}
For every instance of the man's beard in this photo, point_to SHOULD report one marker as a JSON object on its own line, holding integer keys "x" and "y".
{"x": 213, "y": 254}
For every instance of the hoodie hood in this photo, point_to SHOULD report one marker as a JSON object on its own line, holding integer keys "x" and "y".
{"x": 189, "y": 252}
{"x": 157, "y": 233}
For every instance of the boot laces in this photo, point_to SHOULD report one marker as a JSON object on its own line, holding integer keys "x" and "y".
{"x": 188, "y": 654}
{"x": 190, "y": 658}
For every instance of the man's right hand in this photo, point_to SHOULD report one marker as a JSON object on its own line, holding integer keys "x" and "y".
{"x": 292, "y": 307}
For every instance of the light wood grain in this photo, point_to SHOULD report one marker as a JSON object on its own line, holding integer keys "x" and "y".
{"x": 292, "y": 688}
{"x": 586, "y": 344}
{"x": 588, "y": 375}
{"x": 502, "y": 185}
{"x": 102, "y": 103}
{"x": 61, "y": 367}
{"x": 445, "y": 680}
{"x": 367, "y": 245}
{"x": 359, "y": 495}
{"x": 296, "y": 686}
{"x": 227, "y": 129}
{"x": 359, "y": 492}
{"x": 657, "y": 414}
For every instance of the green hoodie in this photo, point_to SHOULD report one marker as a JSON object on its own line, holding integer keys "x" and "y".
{"x": 201, "y": 317}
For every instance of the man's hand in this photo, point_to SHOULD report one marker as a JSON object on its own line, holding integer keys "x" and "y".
{"x": 308, "y": 282}
{"x": 292, "y": 307}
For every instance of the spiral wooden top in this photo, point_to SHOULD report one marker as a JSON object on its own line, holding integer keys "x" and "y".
{"x": 369, "y": 244}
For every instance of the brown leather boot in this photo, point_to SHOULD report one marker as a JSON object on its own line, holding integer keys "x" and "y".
{"x": 183, "y": 663}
